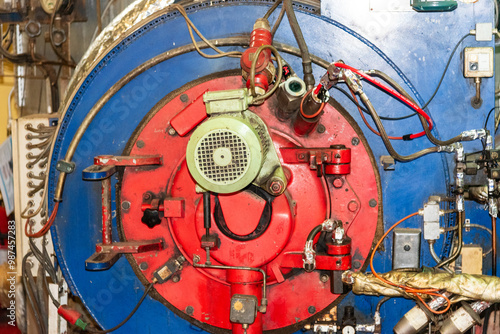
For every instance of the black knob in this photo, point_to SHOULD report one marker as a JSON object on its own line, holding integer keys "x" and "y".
{"x": 151, "y": 218}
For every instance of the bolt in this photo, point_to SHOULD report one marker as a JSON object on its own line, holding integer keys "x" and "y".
{"x": 143, "y": 266}
{"x": 196, "y": 258}
{"x": 311, "y": 309}
{"x": 338, "y": 182}
{"x": 171, "y": 131}
{"x": 184, "y": 98}
{"x": 407, "y": 248}
{"x": 301, "y": 156}
{"x": 355, "y": 141}
{"x": 140, "y": 144}
{"x": 176, "y": 278}
{"x": 372, "y": 203}
{"x": 356, "y": 264}
{"x": 324, "y": 278}
{"x": 189, "y": 310}
{"x": 352, "y": 206}
{"x": 320, "y": 128}
{"x": 126, "y": 205}
{"x": 338, "y": 263}
{"x": 276, "y": 186}
{"x": 337, "y": 156}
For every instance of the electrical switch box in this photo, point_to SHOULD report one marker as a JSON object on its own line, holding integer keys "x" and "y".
{"x": 478, "y": 62}
{"x": 406, "y": 249}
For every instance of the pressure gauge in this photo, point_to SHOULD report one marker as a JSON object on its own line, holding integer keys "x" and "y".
{"x": 348, "y": 330}
{"x": 49, "y": 6}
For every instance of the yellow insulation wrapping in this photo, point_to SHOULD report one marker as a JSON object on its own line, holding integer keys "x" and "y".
{"x": 477, "y": 287}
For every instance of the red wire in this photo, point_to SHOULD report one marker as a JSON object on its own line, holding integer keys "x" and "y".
{"x": 368, "y": 124}
{"x": 393, "y": 93}
{"x": 45, "y": 227}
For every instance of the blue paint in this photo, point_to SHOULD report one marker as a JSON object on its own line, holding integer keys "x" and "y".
{"x": 397, "y": 48}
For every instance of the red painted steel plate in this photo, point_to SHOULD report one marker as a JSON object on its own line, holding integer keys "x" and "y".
{"x": 295, "y": 213}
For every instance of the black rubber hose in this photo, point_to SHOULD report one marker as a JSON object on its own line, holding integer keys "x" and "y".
{"x": 385, "y": 139}
{"x": 314, "y": 232}
{"x": 297, "y": 32}
{"x": 207, "y": 219}
{"x": 400, "y": 89}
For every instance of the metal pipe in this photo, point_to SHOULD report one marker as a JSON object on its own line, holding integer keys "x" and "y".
{"x": 304, "y": 51}
{"x": 263, "y": 302}
{"x": 455, "y": 255}
{"x": 478, "y": 90}
{"x": 435, "y": 256}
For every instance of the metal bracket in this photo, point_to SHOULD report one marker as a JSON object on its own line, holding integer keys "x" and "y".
{"x": 108, "y": 252}
{"x": 65, "y": 167}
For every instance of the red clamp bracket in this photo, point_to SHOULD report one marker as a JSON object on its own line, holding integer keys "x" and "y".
{"x": 336, "y": 159}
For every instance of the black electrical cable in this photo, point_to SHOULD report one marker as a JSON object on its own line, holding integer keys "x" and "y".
{"x": 93, "y": 330}
{"x": 272, "y": 9}
{"x": 349, "y": 96}
{"x": 385, "y": 139}
{"x": 445, "y": 70}
{"x": 488, "y": 117}
{"x": 425, "y": 125}
{"x": 28, "y": 288}
{"x": 66, "y": 62}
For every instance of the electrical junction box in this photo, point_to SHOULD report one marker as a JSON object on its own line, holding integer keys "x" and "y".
{"x": 478, "y": 62}
{"x": 406, "y": 249}
{"x": 484, "y": 32}
{"x": 471, "y": 260}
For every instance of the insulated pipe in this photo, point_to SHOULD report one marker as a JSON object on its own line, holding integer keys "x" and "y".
{"x": 494, "y": 244}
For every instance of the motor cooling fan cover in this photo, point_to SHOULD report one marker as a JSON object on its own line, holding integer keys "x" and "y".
{"x": 224, "y": 154}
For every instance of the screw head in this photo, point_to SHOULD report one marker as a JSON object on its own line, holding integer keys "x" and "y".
{"x": 184, "y": 98}
{"x": 355, "y": 141}
{"x": 352, "y": 206}
{"x": 172, "y": 132}
{"x": 125, "y": 205}
{"x": 338, "y": 182}
{"x": 311, "y": 309}
{"x": 356, "y": 264}
{"x": 176, "y": 278}
{"x": 320, "y": 128}
{"x": 143, "y": 266}
{"x": 407, "y": 248}
{"x": 372, "y": 203}
{"x": 189, "y": 310}
{"x": 140, "y": 144}
{"x": 324, "y": 278}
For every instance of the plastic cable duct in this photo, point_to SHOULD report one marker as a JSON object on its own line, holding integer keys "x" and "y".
{"x": 476, "y": 287}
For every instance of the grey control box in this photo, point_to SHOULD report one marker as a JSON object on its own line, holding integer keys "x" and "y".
{"x": 406, "y": 249}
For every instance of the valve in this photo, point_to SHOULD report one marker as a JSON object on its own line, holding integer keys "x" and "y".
{"x": 264, "y": 69}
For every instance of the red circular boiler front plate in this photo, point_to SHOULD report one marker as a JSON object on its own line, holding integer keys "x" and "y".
{"x": 294, "y": 214}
